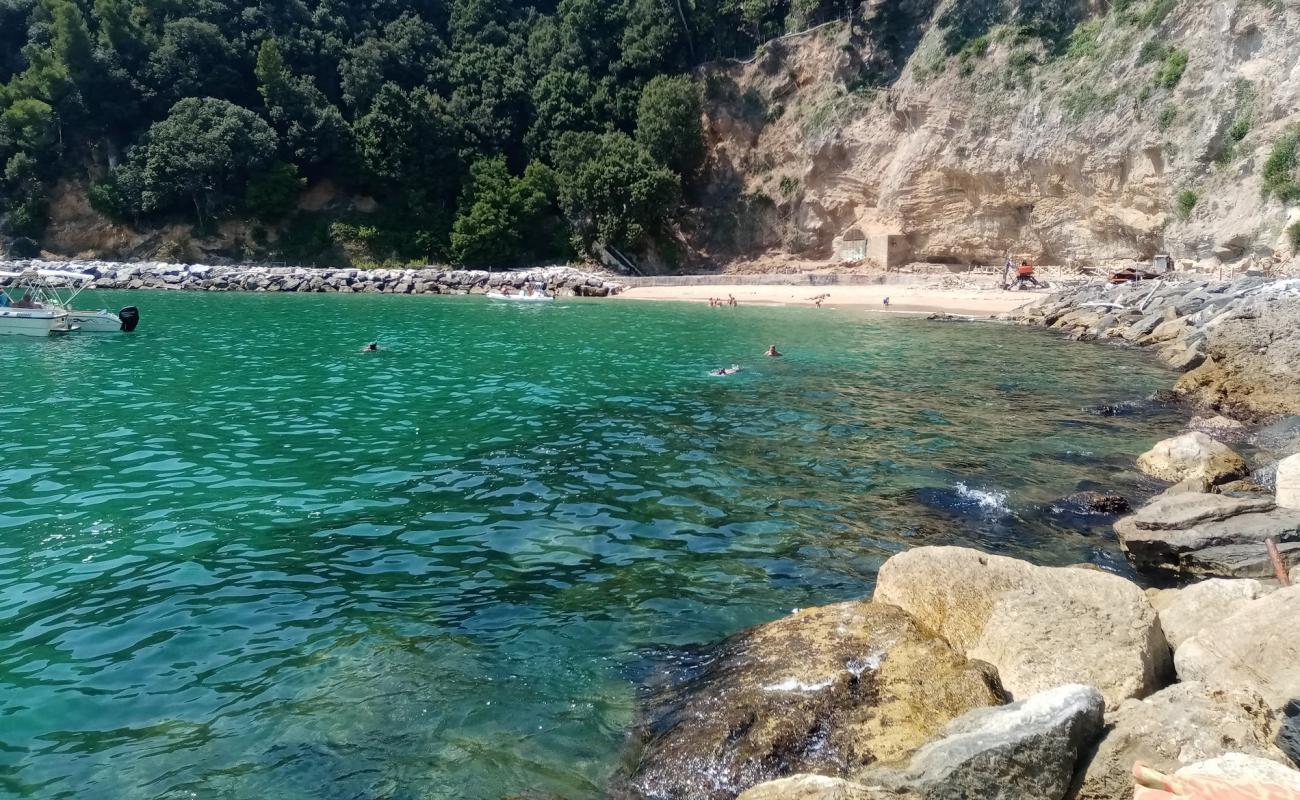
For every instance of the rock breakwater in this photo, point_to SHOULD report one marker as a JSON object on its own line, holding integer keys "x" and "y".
{"x": 1238, "y": 341}
{"x": 562, "y": 281}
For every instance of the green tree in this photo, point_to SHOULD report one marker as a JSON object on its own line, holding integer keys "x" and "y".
{"x": 23, "y": 199}
{"x": 29, "y": 126}
{"x": 612, "y": 190}
{"x": 504, "y": 219}
{"x": 195, "y": 60}
{"x": 562, "y": 102}
{"x": 669, "y": 124}
{"x": 273, "y": 193}
{"x": 408, "y": 52}
{"x": 203, "y": 154}
{"x": 311, "y": 130}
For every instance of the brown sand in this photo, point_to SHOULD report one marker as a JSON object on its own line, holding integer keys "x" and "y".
{"x": 903, "y": 299}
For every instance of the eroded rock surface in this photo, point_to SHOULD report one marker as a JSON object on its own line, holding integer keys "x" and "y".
{"x": 1024, "y": 751}
{"x": 1193, "y": 455}
{"x": 1041, "y": 627}
{"x": 1186, "y": 723}
{"x": 1185, "y": 612}
{"x": 828, "y": 690}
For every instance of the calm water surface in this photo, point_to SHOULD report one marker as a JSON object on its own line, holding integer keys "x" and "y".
{"x": 241, "y": 559}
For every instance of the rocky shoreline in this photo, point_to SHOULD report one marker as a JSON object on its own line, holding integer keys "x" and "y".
{"x": 560, "y": 281}
{"x": 970, "y": 675}
{"x": 1237, "y": 342}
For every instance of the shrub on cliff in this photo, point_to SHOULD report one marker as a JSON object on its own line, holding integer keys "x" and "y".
{"x": 1280, "y": 169}
{"x": 668, "y": 124}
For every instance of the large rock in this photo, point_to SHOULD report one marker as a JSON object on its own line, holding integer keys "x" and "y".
{"x": 1240, "y": 768}
{"x": 1288, "y": 482}
{"x": 1024, "y": 751}
{"x": 1182, "y": 511}
{"x": 1192, "y": 455}
{"x": 1230, "y": 547}
{"x": 1256, "y": 648}
{"x": 1172, "y": 728}
{"x": 1184, "y": 612}
{"x": 827, "y": 690}
{"x": 1041, "y": 627}
{"x": 817, "y": 787}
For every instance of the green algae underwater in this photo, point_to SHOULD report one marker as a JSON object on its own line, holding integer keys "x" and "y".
{"x": 241, "y": 559}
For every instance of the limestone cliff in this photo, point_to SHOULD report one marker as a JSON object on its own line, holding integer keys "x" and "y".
{"x": 1142, "y": 127}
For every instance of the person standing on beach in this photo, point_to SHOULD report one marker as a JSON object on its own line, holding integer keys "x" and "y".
{"x": 886, "y": 302}
{"x": 731, "y": 300}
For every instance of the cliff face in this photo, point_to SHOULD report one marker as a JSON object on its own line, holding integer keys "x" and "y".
{"x": 1143, "y": 130}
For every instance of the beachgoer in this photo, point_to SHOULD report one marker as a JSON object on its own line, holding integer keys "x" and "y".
{"x": 772, "y": 352}
{"x": 1025, "y": 274}
{"x": 731, "y": 300}
{"x": 724, "y": 371}
{"x": 1006, "y": 272}
{"x": 373, "y": 347}
{"x": 886, "y": 302}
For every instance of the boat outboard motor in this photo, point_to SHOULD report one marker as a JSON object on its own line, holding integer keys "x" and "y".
{"x": 130, "y": 317}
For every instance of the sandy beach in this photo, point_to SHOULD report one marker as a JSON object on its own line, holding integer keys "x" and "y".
{"x": 902, "y": 299}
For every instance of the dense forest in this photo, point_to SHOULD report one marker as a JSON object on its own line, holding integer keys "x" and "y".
{"x": 486, "y": 131}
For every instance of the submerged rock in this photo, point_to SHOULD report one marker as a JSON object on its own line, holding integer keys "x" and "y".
{"x": 828, "y": 690}
{"x": 1255, "y": 648}
{"x": 1041, "y": 627}
{"x": 1193, "y": 455}
{"x": 1093, "y": 503}
{"x": 1186, "y": 723}
{"x": 1024, "y": 751}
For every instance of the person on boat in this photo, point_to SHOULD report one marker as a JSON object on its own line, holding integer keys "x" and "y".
{"x": 373, "y": 347}
{"x": 772, "y": 352}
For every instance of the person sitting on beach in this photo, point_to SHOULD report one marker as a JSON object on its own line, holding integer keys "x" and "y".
{"x": 772, "y": 352}
{"x": 373, "y": 347}
{"x": 1026, "y": 274}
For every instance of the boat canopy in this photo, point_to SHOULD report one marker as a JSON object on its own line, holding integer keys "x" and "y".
{"x": 55, "y": 273}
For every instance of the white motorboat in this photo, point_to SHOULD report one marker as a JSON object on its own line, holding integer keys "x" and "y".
{"x": 531, "y": 296}
{"x": 22, "y": 313}
{"x": 60, "y": 289}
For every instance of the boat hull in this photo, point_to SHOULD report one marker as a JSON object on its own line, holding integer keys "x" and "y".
{"x": 520, "y": 298}
{"x": 95, "y": 321}
{"x": 33, "y": 322}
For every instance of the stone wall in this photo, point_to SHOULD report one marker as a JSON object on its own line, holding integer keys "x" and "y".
{"x": 562, "y": 281}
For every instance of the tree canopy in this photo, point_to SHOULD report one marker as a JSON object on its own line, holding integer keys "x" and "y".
{"x": 489, "y": 131}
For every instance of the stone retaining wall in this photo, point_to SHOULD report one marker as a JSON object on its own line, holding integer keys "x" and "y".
{"x": 565, "y": 281}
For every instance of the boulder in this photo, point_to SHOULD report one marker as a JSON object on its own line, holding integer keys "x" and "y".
{"x": 1192, "y": 455}
{"x": 1218, "y": 425}
{"x": 1184, "y": 612}
{"x": 1041, "y": 627}
{"x": 1025, "y": 751}
{"x": 827, "y": 690}
{"x": 817, "y": 787}
{"x": 1181, "y": 512}
{"x": 1094, "y": 503}
{"x": 1288, "y": 731}
{"x": 1172, "y": 728}
{"x": 1232, "y": 547}
{"x": 1237, "y": 768}
{"x": 1288, "y": 482}
{"x": 1255, "y": 648}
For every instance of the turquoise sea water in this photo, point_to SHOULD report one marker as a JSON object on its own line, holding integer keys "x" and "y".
{"x": 241, "y": 559}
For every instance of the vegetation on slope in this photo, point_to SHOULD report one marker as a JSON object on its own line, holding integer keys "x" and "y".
{"x": 480, "y": 127}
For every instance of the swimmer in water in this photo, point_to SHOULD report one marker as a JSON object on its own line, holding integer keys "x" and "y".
{"x": 772, "y": 352}
{"x": 720, "y": 373}
{"x": 373, "y": 347}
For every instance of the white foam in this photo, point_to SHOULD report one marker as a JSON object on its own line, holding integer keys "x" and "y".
{"x": 987, "y": 499}
{"x": 796, "y": 685}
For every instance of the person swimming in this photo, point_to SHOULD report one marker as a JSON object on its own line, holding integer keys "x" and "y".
{"x": 772, "y": 352}
{"x": 725, "y": 371}
{"x": 373, "y": 347}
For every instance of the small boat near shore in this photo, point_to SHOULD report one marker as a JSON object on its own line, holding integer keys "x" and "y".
{"x": 39, "y": 302}
{"x": 522, "y": 297}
